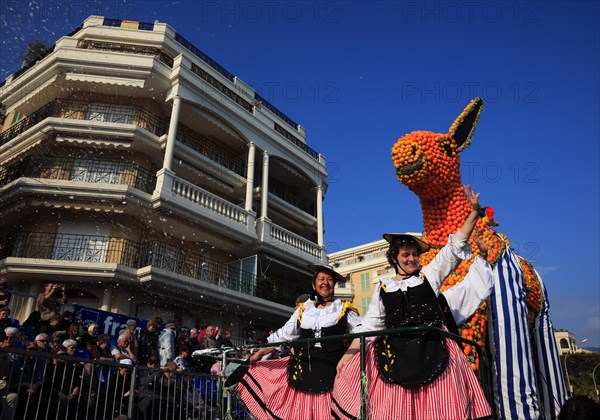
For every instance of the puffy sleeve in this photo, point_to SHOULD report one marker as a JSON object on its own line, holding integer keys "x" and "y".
{"x": 447, "y": 259}
{"x": 354, "y": 321}
{"x": 288, "y": 332}
{"x": 374, "y": 319}
{"x": 465, "y": 297}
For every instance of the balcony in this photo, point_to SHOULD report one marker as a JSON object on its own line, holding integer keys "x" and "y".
{"x": 105, "y": 171}
{"x": 282, "y": 191}
{"x": 126, "y": 48}
{"x": 206, "y": 147}
{"x": 88, "y": 111}
{"x": 192, "y": 201}
{"x": 116, "y": 250}
{"x": 281, "y": 239}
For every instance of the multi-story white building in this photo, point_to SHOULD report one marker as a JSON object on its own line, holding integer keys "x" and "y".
{"x": 150, "y": 180}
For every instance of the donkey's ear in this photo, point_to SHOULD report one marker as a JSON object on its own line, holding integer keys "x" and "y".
{"x": 464, "y": 126}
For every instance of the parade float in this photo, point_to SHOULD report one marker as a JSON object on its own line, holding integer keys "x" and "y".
{"x": 513, "y": 325}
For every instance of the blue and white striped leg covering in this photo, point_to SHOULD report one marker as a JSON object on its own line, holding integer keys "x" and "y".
{"x": 513, "y": 368}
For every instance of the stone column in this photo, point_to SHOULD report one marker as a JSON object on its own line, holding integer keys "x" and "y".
{"x": 250, "y": 175}
{"x": 320, "y": 215}
{"x": 174, "y": 121}
{"x": 265, "y": 186}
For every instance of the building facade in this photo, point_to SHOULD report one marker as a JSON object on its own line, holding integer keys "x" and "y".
{"x": 150, "y": 180}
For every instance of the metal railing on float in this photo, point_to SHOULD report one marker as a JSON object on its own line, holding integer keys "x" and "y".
{"x": 483, "y": 364}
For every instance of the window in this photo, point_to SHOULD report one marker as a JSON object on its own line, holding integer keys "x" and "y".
{"x": 17, "y": 116}
{"x": 341, "y": 285}
{"x": 105, "y": 172}
{"x": 365, "y": 281}
{"x": 110, "y": 113}
{"x": 365, "y": 304}
{"x": 81, "y": 241}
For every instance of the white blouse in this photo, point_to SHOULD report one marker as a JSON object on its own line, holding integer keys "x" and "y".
{"x": 314, "y": 319}
{"x": 463, "y": 299}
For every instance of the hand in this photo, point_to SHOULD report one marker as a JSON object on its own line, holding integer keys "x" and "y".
{"x": 342, "y": 363}
{"x": 483, "y": 249}
{"x": 258, "y": 355}
{"x": 472, "y": 197}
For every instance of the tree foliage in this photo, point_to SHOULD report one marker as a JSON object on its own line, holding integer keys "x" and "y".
{"x": 33, "y": 51}
{"x": 580, "y": 367}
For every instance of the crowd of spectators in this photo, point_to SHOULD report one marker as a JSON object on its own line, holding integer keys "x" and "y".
{"x": 161, "y": 350}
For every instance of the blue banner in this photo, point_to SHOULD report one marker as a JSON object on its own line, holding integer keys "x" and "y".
{"x": 108, "y": 322}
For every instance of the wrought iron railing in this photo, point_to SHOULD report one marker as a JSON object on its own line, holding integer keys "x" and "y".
{"x": 71, "y": 247}
{"x": 126, "y": 48}
{"x": 312, "y": 152}
{"x": 117, "y": 250}
{"x": 203, "y": 145}
{"x": 220, "y": 87}
{"x": 282, "y": 191}
{"x": 89, "y": 111}
{"x": 103, "y": 171}
{"x": 160, "y": 255}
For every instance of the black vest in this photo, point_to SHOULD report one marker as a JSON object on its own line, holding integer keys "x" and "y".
{"x": 414, "y": 359}
{"x": 313, "y": 369}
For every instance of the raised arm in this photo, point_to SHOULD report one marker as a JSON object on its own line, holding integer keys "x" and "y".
{"x": 469, "y": 224}
{"x": 468, "y": 295}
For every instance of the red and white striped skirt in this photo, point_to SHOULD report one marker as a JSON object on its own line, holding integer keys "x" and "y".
{"x": 455, "y": 394}
{"x": 267, "y": 395}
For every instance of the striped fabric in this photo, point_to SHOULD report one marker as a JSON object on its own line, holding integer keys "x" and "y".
{"x": 455, "y": 394}
{"x": 527, "y": 379}
{"x": 553, "y": 392}
{"x": 267, "y": 395}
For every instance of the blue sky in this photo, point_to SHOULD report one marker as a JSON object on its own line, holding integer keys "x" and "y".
{"x": 358, "y": 75}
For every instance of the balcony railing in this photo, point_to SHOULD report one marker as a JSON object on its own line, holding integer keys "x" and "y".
{"x": 126, "y": 48}
{"x": 211, "y": 150}
{"x": 208, "y": 200}
{"x": 105, "y": 171}
{"x": 117, "y": 250}
{"x": 68, "y": 247}
{"x": 201, "y": 267}
{"x": 280, "y": 190}
{"x": 312, "y": 152}
{"x": 295, "y": 241}
{"x": 89, "y": 111}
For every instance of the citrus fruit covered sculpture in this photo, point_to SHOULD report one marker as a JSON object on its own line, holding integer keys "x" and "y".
{"x": 527, "y": 380}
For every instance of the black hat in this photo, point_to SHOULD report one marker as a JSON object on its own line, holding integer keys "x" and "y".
{"x": 408, "y": 239}
{"x": 302, "y": 298}
{"x": 337, "y": 277}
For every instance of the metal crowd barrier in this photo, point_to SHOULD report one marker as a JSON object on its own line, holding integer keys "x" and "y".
{"x": 38, "y": 385}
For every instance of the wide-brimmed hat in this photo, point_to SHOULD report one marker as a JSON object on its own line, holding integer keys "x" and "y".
{"x": 337, "y": 277}
{"x": 302, "y": 298}
{"x": 408, "y": 239}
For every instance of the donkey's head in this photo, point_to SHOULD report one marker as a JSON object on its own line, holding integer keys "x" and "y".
{"x": 428, "y": 163}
